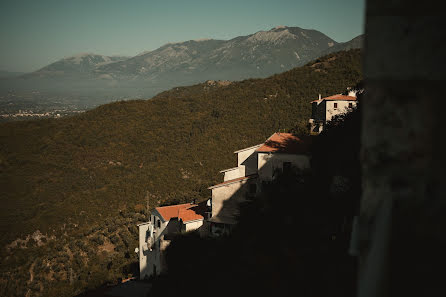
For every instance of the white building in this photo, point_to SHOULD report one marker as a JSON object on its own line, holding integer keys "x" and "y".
{"x": 155, "y": 235}
{"x": 281, "y": 152}
{"x": 323, "y": 110}
{"x": 256, "y": 164}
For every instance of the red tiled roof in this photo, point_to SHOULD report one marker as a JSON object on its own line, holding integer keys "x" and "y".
{"x": 189, "y": 215}
{"x": 337, "y": 97}
{"x": 180, "y": 211}
{"x": 234, "y": 180}
{"x": 285, "y": 143}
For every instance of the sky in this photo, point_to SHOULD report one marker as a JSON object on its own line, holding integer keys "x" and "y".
{"x": 35, "y": 33}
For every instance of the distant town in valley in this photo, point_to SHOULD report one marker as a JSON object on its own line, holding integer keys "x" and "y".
{"x": 26, "y": 105}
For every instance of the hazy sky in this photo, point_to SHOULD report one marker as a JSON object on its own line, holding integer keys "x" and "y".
{"x": 34, "y": 33}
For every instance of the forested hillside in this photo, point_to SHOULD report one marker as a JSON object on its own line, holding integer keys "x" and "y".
{"x": 86, "y": 180}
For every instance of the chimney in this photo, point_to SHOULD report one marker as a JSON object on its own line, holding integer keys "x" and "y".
{"x": 319, "y": 96}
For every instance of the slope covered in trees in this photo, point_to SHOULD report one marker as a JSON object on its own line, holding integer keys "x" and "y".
{"x": 66, "y": 176}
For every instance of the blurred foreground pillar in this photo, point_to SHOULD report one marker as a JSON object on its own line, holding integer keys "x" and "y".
{"x": 403, "y": 209}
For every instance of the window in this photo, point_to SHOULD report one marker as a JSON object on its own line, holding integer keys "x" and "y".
{"x": 159, "y": 223}
{"x": 286, "y": 166}
{"x": 350, "y": 105}
{"x": 335, "y": 105}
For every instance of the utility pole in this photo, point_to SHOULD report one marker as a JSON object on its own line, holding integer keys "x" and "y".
{"x": 148, "y": 201}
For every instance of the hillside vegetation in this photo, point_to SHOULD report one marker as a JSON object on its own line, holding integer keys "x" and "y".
{"x": 87, "y": 178}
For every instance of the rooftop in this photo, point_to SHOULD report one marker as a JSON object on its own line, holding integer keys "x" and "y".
{"x": 185, "y": 212}
{"x": 336, "y": 97}
{"x": 234, "y": 180}
{"x": 247, "y": 148}
{"x": 286, "y": 143}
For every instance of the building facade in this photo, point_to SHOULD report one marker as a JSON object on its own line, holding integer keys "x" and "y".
{"x": 325, "y": 109}
{"x": 255, "y": 165}
{"x": 155, "y": 235}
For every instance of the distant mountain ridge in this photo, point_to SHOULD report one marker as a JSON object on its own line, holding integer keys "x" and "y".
{"x": 257, "y": 55}
{"x": 83, "y": 63}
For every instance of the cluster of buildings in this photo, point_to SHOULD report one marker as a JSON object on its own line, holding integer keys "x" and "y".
{"x": 256, "y": 166}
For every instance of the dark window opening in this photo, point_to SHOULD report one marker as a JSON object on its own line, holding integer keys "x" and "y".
{"x": 335, "y": 105}
{"x": 350, "y": 105}
{"x": 159, "y": 224}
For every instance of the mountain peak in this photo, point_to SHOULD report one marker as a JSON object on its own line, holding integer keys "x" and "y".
{"x": 273, "y": 36}
{"x": 80, "y": 55}
{"x": 202, "y": 39}
{"x": 278, "y": 27}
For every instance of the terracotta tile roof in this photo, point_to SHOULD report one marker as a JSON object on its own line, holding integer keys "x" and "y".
{"x": 185, "y": 212}
{"x": 234, "y": 180}
{"x": 189, "y": 215}
{"x": 337, "y": 97}
{"x": 286, "y": 143}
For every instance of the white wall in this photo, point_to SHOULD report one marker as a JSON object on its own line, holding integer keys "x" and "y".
{"x": 342, "y": 108}
{"x": 158, "y": 231}
{"x": 233, "y": 174}
{"x": 246, "y": 161}
{"x": 143, "y": 231}
{"x": 149, "y": 254}
{"x": 228, "y": 197}
{"x": 193, "y": 225}
{"x": 269, "y": 163}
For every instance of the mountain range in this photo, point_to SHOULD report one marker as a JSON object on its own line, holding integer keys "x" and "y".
{"x": 83, "y": 63}
{"x": 258, "y": 55}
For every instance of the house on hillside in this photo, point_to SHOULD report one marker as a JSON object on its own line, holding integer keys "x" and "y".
{"x": 256, "y": 165}
{"x": 280, "y": 152}
{"x": 323, "y": 110}
{"x": 155, "y": 235}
